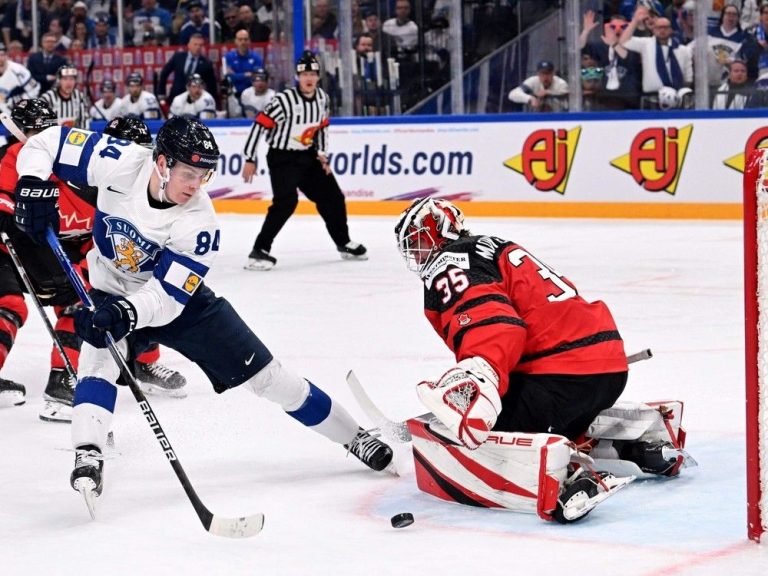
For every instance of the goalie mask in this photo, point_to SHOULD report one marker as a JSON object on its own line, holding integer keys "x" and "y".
{"x": 425, "y": 228}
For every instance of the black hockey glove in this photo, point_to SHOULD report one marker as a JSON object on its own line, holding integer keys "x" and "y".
{"x": 116, "y": 315}
{"x": 37, "y": 207}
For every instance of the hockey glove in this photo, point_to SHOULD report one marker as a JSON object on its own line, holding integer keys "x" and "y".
{"x": 465, "y": 399}
{"x": 116, "y": 315}
{"x": 37, "y": 207}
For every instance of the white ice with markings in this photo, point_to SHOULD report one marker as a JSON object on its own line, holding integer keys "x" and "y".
{"x": 675, "y": 287}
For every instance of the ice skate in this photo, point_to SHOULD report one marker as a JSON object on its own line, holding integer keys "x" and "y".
{"x": 59, "y": 395}
{"x": 86, "y": 478}
{"x": 154, "y": 378}
{"x": 11, "y": 393}
{"x": 260, "y": 259}
{"x": 370, "y": 450}
{"x": 584, "y": 491}
{"x": 353, "y": 251}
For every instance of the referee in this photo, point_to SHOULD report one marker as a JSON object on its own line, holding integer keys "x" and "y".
{"x": 295, "y": 123}
{"x": 68, "y": 103}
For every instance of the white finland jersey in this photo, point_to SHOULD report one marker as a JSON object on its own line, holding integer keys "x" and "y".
{"x": 156, "y": 257}
{"x": 204, "y": 108}
{"x": 253, "y": 103}
{"x": 99, "y": 112}
{"x": 16, "y": 83}
{"x": 145, "y": 107}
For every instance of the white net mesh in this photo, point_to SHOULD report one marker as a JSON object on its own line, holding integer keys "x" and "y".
{"x": 762, "y": 329}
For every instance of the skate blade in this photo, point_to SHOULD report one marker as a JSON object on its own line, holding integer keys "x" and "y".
{"x": 155, "y": 390}
{"x": 345, "y": 256}
{"x": 259, "y": 266}
{"x": 56, "y": 412}
{"x": 89, "y": 495}
{"x": 11, "y": 398}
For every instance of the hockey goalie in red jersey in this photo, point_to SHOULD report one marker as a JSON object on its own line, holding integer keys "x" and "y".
{"x": 533, "y": 355}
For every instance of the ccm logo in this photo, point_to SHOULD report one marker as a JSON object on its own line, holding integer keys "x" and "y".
{"x": 39, "y": 193}
{"x": 510, "y": 441}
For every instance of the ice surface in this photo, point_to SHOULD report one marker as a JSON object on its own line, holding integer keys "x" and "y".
{"x": 675, "y": 287}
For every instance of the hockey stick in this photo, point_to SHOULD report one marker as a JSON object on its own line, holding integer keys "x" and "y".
{"x": 398, "y": 431}
{"x": 10, "y": 125}
{"x": 242, "y": 527}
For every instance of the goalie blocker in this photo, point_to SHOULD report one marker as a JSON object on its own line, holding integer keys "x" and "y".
{"x": 534, "y": 473}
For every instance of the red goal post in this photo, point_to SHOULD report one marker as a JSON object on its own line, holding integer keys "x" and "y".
{"x": 756, "y": 338}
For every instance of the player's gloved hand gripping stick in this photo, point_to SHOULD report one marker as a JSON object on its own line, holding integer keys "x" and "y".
{"x": 242, "y": 527}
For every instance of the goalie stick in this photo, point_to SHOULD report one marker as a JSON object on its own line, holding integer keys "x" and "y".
{"x": 398, "y": 431}
{"x": 242, "y": 527}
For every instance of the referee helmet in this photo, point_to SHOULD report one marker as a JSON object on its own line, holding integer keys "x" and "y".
{"x": 307, "y": 62}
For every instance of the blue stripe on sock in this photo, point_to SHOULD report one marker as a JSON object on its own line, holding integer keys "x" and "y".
{"x": 315, "y": 409}
{"x": 96, "y": 391}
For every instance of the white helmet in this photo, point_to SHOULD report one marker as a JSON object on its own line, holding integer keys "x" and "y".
{"x": 425, "y": 228}
{"x": 667, "y": 98}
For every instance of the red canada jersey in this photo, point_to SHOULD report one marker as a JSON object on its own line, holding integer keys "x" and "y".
{"x": 490, "y": 297}
{"x": 76, "y": 211}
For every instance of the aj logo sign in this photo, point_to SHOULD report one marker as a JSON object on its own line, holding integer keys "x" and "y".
{"x": 758, "y": 139}
{"x": 655, "y": 160}
{"x": 546, "y": 159}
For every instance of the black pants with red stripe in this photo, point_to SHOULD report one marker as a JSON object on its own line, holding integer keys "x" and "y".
{"x": 564, "y": 404}
{"x": 292, "y": 170}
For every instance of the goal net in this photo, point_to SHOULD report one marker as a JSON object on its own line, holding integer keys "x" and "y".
{"x": 756, "y": 342}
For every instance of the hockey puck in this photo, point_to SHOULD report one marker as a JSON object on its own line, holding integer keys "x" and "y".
{"x": 402, "y": 520}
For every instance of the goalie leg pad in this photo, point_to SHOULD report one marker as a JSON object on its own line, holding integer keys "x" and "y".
{"x": 511, "y": 470}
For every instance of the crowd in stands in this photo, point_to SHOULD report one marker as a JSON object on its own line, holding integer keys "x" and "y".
{"x": 640, "y": 55}
{"x": 635, "y": 54}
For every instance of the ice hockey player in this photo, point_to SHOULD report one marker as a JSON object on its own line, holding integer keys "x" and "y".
{"x": 155, "y": 238}
{"x": 76, "y": 208}
{"x": 139, "y": 103}
{"x": 533, "y": 356}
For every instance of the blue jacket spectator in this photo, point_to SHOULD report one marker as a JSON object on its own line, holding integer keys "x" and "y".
{"x": 197, "y": 24}
{"x": 241, "y": 62}
{"x": 150, "y": 17}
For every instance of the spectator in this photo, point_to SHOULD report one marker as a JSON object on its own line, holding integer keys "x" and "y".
{"x": 16, "y": 51}
{"x": 258, "y": 31}
{"x": 61, "y": 10}
{"x": 592, "y": 88}
{"x": 437, "y": 45}
{"x": 241, "y": 61}
{"x": 265, "y": 13}
{"x": 665, "y": 62}
{"x": 401, "y": 31}
{"x": 231, "y": 23}
{"x": 98, "y": 7}
{"x": 761, "y": 35}
{"x": 139, "y": 103}
{"x": 102, "y": 36}
{"x": 150, "y": 17}
{"x": 622, "y": 71}
{"x": 198, "y": 23}
{"x": 324, "y": 23}
{"x": 371, "y": 84}
{"x": 373, "y": 28}
{"x": 17, "y": 22}
{"x": 78, "y": 30}
{"x": 195, "y": 102}
{"x": 44, "y": 64}
{"x": 750, "y": 15}
{"x": 255, "y": 98}
{"x": 358, "y": 26}
{"x": 736, "y": 93}
{"x": 80, "y": 14}
{"x": 108, "y": 106}
{"x": 184, "y": 63}
{"x": 62, "y": 40}
{"x": 543, "y": 92}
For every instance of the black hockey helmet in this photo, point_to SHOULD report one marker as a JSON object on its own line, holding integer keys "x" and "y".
{"x": 307, "y": 62}
{"x": 134, "y": 78}
{"x": 189, "y": 141}
{"x": 66, "y": 70}
{"x": 33, "y": 114}
{"x": 132, "y": 129}
{"x": 107, "y": 86}
{"x": 195, "y": 79}
{"x": 260, "y": 74}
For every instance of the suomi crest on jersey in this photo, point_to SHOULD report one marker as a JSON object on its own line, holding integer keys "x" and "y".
{"x": 128, "y": 249}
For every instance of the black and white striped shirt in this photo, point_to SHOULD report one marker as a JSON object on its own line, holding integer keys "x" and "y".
{"x": 292, "y": 122}
{"x": 72, "y": 111}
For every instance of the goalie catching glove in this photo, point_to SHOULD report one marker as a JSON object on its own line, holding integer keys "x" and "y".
{"x": 37, "y": 207}
{"x": 465, "y": 399}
